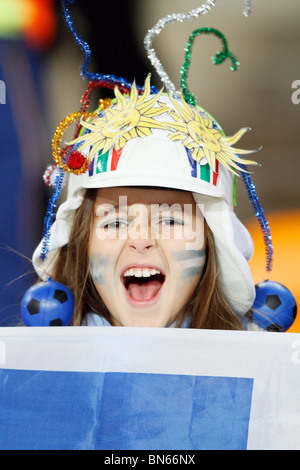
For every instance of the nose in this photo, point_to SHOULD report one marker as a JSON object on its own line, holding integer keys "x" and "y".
{"x": 141, "y": 245}
{"x": 139, "y": 236}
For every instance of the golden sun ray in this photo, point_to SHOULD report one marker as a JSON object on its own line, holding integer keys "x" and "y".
{"x": 199, "y": 134}
{"x": 126, "y": 120}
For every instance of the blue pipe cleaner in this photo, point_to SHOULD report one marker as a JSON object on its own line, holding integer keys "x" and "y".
{"x": 111, "y": 80}
{"x": 51, "y": 210}
{"x": 259, "y": 214}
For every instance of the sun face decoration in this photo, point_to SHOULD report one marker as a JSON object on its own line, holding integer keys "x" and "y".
{"x": 136, "y": 116}
{"x": 198, "y": 133}
{"x": 126, "y": 120}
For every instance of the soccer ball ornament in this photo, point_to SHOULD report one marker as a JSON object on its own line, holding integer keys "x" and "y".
{"x": 274, "y": 307}
{"x": 47, "y": 303}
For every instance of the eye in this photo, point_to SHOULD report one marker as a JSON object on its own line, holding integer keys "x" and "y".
{"x": 113, "y": 224}
{"x": 171, "y": 221}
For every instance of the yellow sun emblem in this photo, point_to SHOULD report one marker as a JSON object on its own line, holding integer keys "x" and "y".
{"x": 200, "y": 135}
{"x": 126, "y": 120}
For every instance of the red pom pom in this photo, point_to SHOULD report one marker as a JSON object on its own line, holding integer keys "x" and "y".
{"x": 76, "y": 161}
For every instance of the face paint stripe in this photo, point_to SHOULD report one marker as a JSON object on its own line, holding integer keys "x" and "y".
{"x": 97, "y": 264}
{"x": 189, "y": 254}
{"x": 192, "y": 271}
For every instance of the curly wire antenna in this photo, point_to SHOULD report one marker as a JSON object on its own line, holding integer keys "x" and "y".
{"x": 247, "y": 8}
{"x": 109, "y": 81}
{"x": 178, "y": 18}
{"x": 260, "y": 217}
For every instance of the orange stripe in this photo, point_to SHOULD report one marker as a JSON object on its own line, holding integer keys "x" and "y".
{"x": 216, "y": 174}
{"x": 115, "y": 159}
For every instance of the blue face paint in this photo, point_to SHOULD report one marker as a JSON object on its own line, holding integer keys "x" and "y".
{"x": 97, "y": 265}
{"x": 192, "y": 262}
{"x": 186, "y": 255}
{"x": 193, "y": 271}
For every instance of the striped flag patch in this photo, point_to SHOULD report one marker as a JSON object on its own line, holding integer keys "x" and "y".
{"x": 105, "y": 162}
{"x": 203, "y": 172}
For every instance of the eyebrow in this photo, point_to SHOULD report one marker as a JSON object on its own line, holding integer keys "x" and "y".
{"x": 177, "y": 208}
{"x": 105, "y": 208}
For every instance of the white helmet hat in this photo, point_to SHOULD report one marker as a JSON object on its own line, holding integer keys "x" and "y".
{"x": 160, "y": 141}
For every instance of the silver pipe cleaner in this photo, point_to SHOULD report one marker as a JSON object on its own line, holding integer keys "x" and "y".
{"x": 177, "y": 18}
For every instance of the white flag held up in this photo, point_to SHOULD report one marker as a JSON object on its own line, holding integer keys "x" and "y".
{"x": 148, "y": 388}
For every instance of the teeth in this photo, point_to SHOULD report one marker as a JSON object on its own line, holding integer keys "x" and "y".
{"x": 141, "y": 272}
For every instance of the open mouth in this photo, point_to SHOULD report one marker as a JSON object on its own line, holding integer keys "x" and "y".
{"x": 143, "y": 284}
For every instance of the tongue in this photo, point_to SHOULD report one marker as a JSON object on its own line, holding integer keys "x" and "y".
{"x": 145, "y": 291}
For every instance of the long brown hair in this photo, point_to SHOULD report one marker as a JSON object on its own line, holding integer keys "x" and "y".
{"x": 207, "y": 309}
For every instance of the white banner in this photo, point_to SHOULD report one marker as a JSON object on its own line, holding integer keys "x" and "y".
{"x": 148, "y": 388}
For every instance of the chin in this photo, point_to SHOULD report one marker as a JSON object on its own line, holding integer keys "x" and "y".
{"x": 142, "y": 319}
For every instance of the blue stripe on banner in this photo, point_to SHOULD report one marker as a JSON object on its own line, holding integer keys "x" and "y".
{"x": 122, "y": 411}
{"x": 91, "y": 167}
{"x": 192, "y": 162}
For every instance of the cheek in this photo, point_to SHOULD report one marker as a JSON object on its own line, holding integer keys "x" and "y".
{"x": 103, "y": 258}
{"x": 189, "y": 263}
{"x": 98, "y": 265}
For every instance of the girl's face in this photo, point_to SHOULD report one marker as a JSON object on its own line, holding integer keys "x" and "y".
{"x": 146, "y": 253}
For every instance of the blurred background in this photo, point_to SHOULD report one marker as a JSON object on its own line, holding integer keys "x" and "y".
{"x": 39, "y": 65}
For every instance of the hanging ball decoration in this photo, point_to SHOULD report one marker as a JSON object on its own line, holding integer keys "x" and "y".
{"x": 47, "y": 303}
{"x": 274, "y": 308}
